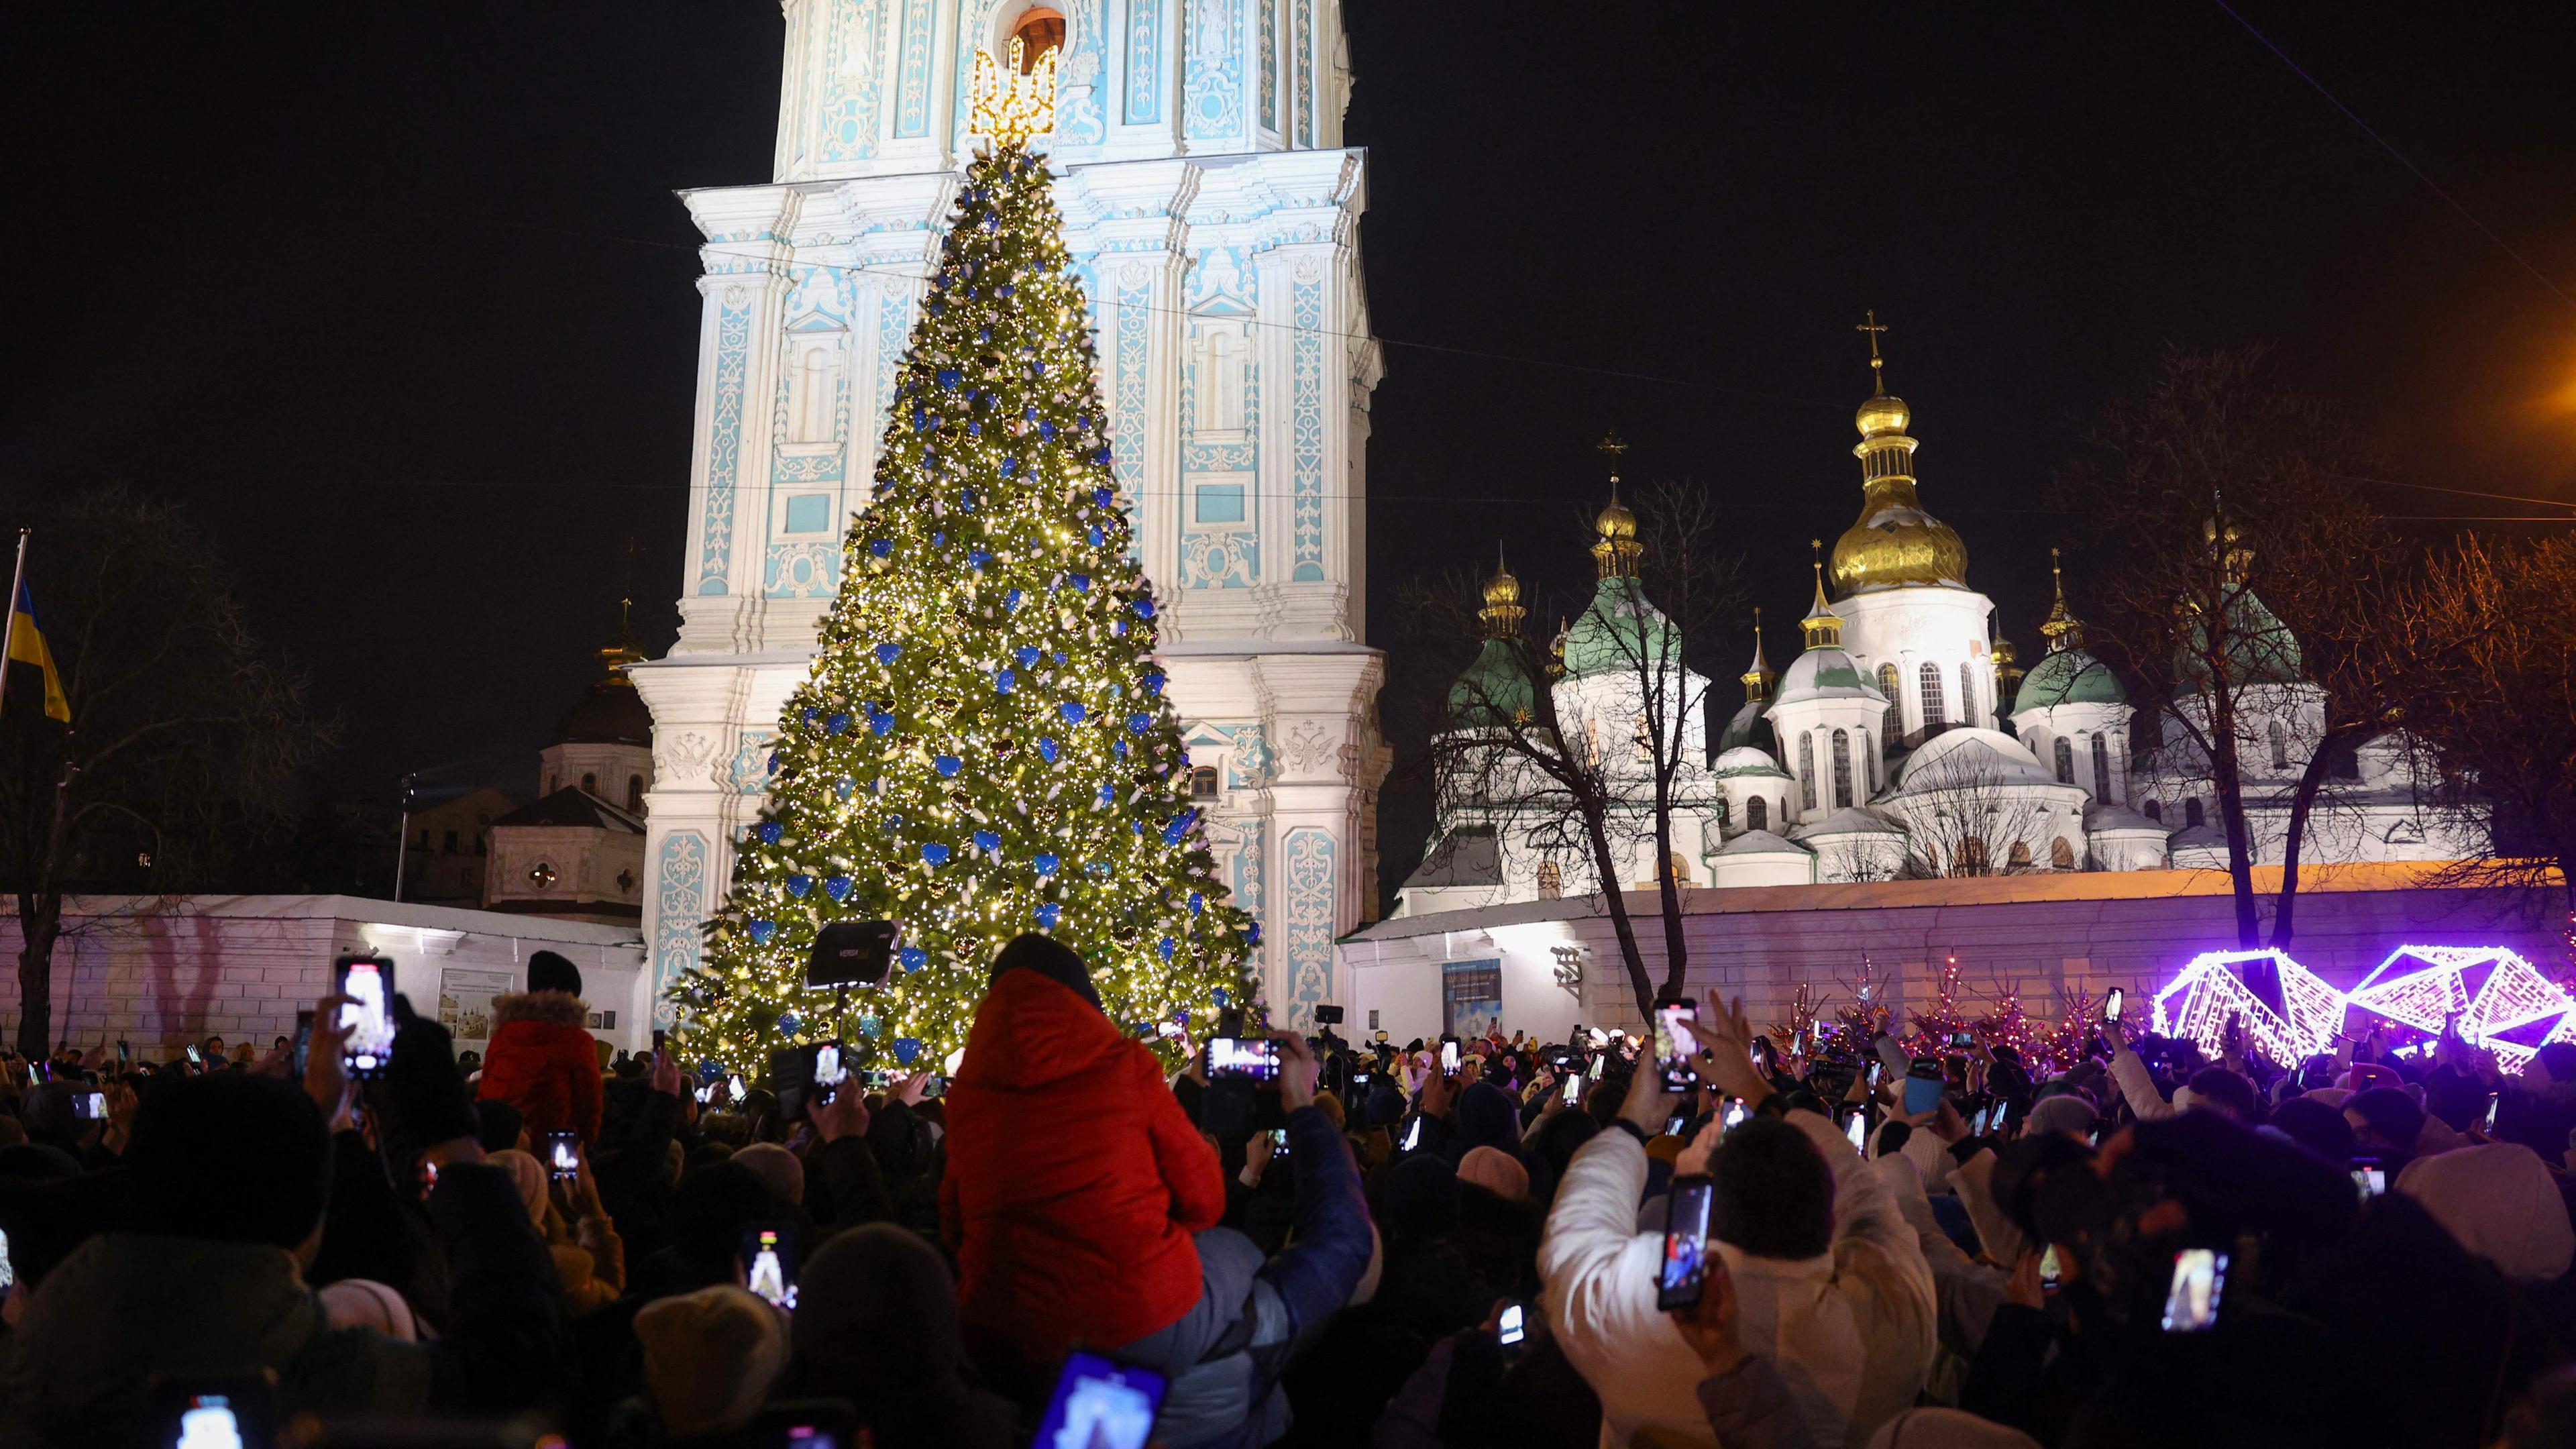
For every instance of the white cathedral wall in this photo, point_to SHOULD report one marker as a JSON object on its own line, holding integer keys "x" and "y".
{"x": 1805, "y": 730}
{"x": 1235, "y": 366}
{"x": 2079, "y": 725}
{"x": 1910, "y": 628}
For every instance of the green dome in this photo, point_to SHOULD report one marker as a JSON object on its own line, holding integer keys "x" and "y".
{"x": 1493, "y": 684}
{"x": 1749, "y": 729}
{"x": 2260, "y": 648}
{"x": 2069, "y": 676}
{"x": 1617, "y": 630}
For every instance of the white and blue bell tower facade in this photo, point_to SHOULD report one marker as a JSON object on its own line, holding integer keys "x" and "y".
{"x": 1214, "y": 217}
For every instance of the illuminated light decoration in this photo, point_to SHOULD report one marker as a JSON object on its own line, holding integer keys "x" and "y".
{"x": 2503, "y": 1002}
{"x": 1035, "y": 782}
{"x": 2286, "y": 1011}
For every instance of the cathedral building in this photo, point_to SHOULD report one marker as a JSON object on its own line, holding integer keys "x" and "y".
{"x": 1212, "y": 213}
{"x": 1902, "y": 741}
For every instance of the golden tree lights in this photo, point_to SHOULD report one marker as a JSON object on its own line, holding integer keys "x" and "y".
{"x": 983, "y": 746}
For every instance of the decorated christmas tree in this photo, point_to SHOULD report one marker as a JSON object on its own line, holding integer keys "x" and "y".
{"x": 2067, "y": 1045}
{"x": 1943, "y": 1017}
{"x": 983, "y": 746}
{"x": 2008, "y": 1025}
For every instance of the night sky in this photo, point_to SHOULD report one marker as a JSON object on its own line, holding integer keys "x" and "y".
{"x": 400, "y": 302}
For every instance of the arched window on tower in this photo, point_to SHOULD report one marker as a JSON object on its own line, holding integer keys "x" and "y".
{"x": 1757, "y": 814}
{"x": 1723, "y": 824}
{"x": 2064, "y": 755}
{"x": 1935, "y": 712}
{"x": 1894, "y": 725}
{"x": 1039, "y": 31}
{"x": 635, "y": 794}
{"x": 1842, "y": 769}
{"x": 2102, "y": 770}
{"x": 1967, "y": 694}
{"x": 1203, "y": 782}
{"x": 1806, "y": 772}
{"x": 2019, "y": 856}
{"x": 2280, "y": 737}
{"x": 2156, "y": 811}
{"x": 590, "y": 784}
{"x": 2192, "y": 816}
{"x": 1869, "y": 761}
{"x": 1968, "y": 857}
{"x": 1679, "y": 865}
{"x": 2061, "y": 853}
{"x": 1551, "y": 881}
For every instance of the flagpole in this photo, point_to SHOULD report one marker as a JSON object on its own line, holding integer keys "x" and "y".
{"x": 9, "y": 630}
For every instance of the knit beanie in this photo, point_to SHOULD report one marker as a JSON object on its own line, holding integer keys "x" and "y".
{"x": 709, "y": 1358}
{"x": 777, "y": 1168}
{"x": 1496, "y": 1171}
{"x": 231, "y": 1157}
{"x": 2065, "y": 1112}
{"x": 1050, "y": 959}
{"x": 550, "y": 972}
{"x": 2500, "y": 1203}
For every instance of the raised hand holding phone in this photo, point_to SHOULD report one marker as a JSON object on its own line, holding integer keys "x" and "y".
{"x": 1726, "y": 1050}
{"x": 846, "y": 1115}
{"x": 326, "y": 1066}
{"x": 1709, "y": 1326}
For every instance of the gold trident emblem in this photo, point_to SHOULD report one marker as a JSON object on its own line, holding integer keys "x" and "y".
{"x": 1011, "y": 106}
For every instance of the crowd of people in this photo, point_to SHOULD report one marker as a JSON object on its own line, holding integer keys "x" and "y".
{"x": 1852, "y": 1237}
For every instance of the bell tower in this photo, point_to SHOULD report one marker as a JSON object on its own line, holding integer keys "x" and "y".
{"x": 1213, "y": 217}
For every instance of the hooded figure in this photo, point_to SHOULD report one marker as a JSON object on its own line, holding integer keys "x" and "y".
{"x": 542, "y": 1060}
{"x": 2501, "y": 1204}
{"x": 1074, "y": 1179}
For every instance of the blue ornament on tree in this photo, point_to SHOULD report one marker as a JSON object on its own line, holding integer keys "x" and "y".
{"x": 986, "y": 840}
{"x": 800, "y": 885}
{"x": 869, "y": 1026}
{"x": 771, "y": 832}
{"x": 1079, "y": 583}
{"x": 1048, "y": 914}
{"x": 905, "y": 1049}
{"x": 949, "y": 377}
{"x": 914, "y": 958}
{"x": 947, "y": 765}
{"x": 935, "y": 853}
{"x": 845, "y": 788}
{"x": 1166, "y": 947}
{"x": 1108, "y": 794}
{"x": 1179, "y": 827}
{"x": 1198, "y": 903}
{"x": 1153, "y": 683}
{"x": 1011, "y": 600}
{"x": 1046, "y": 863}
{"x": 881, "y": 722}
{"x": 1028, "y": 655}
{"x": 789, "y": 1023}
{"x": 1223, "y": 997}
{"x": 837, "y": 723}
{"x": 1072, "y": 711}
{"x": 1139, "y": 723}
{"x": 1004, "y": 681}
{"x": 889, "y": 653}
{"x": 881, "y": 547}
{"x": 1048, "y": 750}
{"x": 1103, "y": 497}
{"x": 1253, "y": 934}
{"x": 1144, "y": 608}
{"x": 837, "y": 887}
{"x": 762, "y": 931}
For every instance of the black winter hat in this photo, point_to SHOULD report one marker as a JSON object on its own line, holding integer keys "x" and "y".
{"x": 550, "y": 972}
{"x": 232, "y": 1157}
{"x": 1050, "y": 959}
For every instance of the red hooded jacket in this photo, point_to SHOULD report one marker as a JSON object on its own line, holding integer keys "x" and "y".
{"x": 541, "y": 1060}
{"x": 1074, "y": 1182}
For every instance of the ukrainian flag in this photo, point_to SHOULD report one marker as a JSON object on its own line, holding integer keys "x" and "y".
{"x": 27, "y": 646}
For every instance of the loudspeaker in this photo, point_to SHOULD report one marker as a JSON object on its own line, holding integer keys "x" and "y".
{"x": 852, "y": 953}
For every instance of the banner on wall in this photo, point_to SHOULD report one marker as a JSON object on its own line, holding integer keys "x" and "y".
{"x": 465, "y": 1003}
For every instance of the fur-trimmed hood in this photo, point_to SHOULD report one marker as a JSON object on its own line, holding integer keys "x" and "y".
{"x": 555, "y": 1008}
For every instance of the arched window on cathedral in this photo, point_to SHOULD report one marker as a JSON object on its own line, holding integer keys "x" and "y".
{"x": 2156, "y": 811}
{"x": 2192, "y": 816}
{"x": 1869, "y": 761}
{"x": 1842, "y": 769}
{"x": 590, "y": 784}
{"x": 1203, "y": 782}
{"x": 1679, "y": 865}
{"x": 1040, "y": 31}
{"x": 2280, "y": 736}
{"x": 1935, "y": 712}
{"x": 1592, "y": 741}
{"x": 1551, "y": 881}
{"x": 1967, "y": 694}
{"x": 2063, "y": 753}
{"x": 635, "y": 794}
{"x": 2102, "y": 770}
{"x": 1894, "y": 725}
{"x": 1644, "y": 737}
{"x": 2019, "y": 856}
{"x": 1968, "y": 857}
{"x": 1722, "y": 820}
{"x": 1757, "y": 814}
{"x": 2061, "y": 853}
{"x": 1806, "y": 772}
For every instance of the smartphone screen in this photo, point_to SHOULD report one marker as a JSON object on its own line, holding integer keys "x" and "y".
{"x": 1675, "y": 1044}
{"x": 1674, "y": 1124}
{"x": 2369, "y": 1178}
{"x": 214, "y": 1412}
{"x": 1685, "y": 1268}
{"x": 1599, "y": 1065}
{"x": 1102, "y": 1405}
{"x": 658, "y": 1036}
{"x": 2049, "y": 1272}
{"x": 1413, "y": 1134}
{"x": 563, "y": 1155}
{"x": 194, "y": 1060}
{"x": 2113, "y": 1001}
{"x": 2492, "y": 1103}
{"x": 1512, "y": 1329}
{"x": 98, "y": 1106}
{"x": 1278, "y": 1142}
{"x": 1243, "y": 1056}
{"x": 733, "y": 1087}
{"x": 2199, "y": 1282}
{"x": 1875, "y": 1068}
{"x": 1734, "y": 1116}
{"x": 769, "y": 1265}
{"x": 303, "y": 1041}
{"x": 829, "y": 1074}
{"x": 1922, "y": 1094}
{"x": 1448, "y": 1057}
{"x": 1574, "y": 1090}
{"x": 369, "y": 1018}
{"x": 1857, "y": 1131}
{"x": 8, "y": 1272}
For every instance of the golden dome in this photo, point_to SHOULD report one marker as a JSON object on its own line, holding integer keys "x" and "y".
{"x": 1502, "y": 589}
{"x": 1616, "y": 521}
{"x": 1502, "y": 613}
{"x": 1898, "y": 545}
{"x": 1882, "y": 415}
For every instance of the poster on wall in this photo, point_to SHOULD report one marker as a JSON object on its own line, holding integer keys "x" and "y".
{"x": 1471, "y": 997}
{"x": 465, "y": 1003}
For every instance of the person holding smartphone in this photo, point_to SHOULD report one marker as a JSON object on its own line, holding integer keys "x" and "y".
{"x": 1847, "y": 1300}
